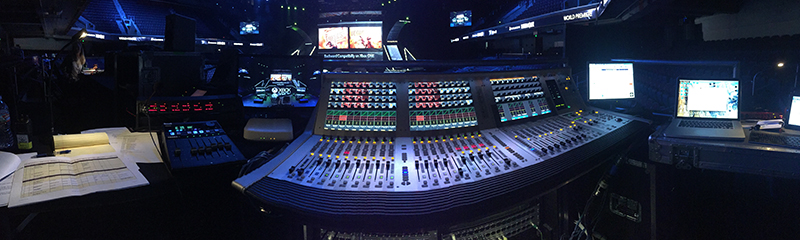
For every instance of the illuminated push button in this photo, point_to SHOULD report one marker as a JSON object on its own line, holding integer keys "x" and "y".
{"x": 405, "y": 176}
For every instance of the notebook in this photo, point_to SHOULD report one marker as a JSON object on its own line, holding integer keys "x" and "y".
{"x": 707, "y": 109}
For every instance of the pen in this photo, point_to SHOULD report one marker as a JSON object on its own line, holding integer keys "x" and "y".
{"x": 42, "y": 155}
{"x": 6, "y": 176}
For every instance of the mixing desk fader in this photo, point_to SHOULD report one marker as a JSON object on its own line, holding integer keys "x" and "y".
{"x": 444, "y": 141}
{"x": 197, "y": 144}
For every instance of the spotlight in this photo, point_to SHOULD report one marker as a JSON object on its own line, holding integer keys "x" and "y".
{"x": 80, "y": 34}
{"x": 780, "y": 64}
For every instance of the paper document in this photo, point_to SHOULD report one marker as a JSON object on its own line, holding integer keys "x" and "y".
{"x": 111, "y": 132}
{"x": 136, "y": 146}
{"x": 139, "y": 147}
{"x": 5, "y": 184}
{"x": 43, "y": 179}
{"x": 5, "y": 190}
{"x": 82, "y": 144}
{"x": 8, "y": 163}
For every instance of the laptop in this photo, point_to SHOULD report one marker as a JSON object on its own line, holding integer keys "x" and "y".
{"x": 707, "y": 109}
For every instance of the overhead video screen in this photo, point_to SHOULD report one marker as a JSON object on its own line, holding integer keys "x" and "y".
{"x": 365, "y": 37}
{"x": 333, "y": 38}
{"x": 246, "y": 28}
{"x": 461, "y": 19}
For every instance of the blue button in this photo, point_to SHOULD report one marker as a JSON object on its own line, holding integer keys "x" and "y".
{"x": 172, "y": 134}
{"x": 201, "y": 131}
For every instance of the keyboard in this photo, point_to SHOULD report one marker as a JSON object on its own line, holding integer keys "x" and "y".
{"x": 770, "y": 138}
{"x": 706, "y": 124}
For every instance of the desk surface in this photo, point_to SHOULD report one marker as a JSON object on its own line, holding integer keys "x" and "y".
{"x": 157, "y": 175}
{"x": 730, "y": 156}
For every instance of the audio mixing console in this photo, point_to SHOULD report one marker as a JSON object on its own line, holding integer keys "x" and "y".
{"x": 415, "y": 144}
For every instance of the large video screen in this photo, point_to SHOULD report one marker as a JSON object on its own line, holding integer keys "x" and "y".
{"x": 333, "y": 38}
{"x": 365, "y": 37}
{"x": 265, "y": 81}
{"x": 248, "y": 28}
{"x": 461, "y": 19}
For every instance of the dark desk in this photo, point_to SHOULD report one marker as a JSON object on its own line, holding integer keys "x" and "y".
{"x": 160, "y": 185}
{"x": 728, "y": 156}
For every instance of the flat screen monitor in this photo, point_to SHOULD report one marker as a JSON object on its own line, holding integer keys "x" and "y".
{"x": 366, "y": 37}
{"x": 708, "y": 99}
{"x": 611, "y": 81}
{"x": 461, "y": 19}
{"x": 394, "y": 53}
{"x": 333, "y": 38}
{"x": 246, "y": 28}
{"x": 793, "y": 121}
{"x": 280, "y": 77}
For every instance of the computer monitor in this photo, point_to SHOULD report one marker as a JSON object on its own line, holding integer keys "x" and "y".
{"x": 708, "y": 99}
{"x": 793, "y": 119}
{"x": 611, "y": 80}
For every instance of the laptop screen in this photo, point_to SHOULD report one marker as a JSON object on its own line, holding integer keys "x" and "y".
{"x": 794, "y": 112}
{"x": 716, "y": 99}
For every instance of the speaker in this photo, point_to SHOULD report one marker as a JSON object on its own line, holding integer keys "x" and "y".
{"x": 179, "y": 33}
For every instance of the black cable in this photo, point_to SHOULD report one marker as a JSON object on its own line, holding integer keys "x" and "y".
{"x": 149, "y": 130}
{"x": 602, "y": 185}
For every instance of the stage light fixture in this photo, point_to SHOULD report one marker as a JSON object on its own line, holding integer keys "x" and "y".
{"x": 80, "y": 35}
{"x": 780, "y": 64}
